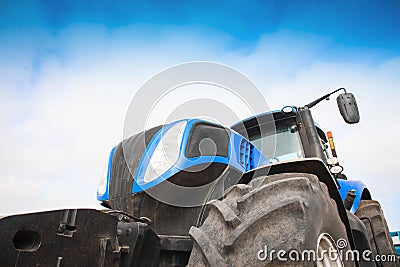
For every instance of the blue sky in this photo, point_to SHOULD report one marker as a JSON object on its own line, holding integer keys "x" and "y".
{"x": 68, "y": 70}
{"x": 349, "y": 23}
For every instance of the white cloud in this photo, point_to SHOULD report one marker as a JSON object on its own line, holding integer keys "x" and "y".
{"x": 64, "y": 102}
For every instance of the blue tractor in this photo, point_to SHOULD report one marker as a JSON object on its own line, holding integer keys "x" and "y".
{"x": 200, "y": 194}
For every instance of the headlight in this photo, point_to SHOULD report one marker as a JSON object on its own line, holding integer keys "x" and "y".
{"x": 103, "y": 183}
{"x": 336, "y": 169}
{"x": 102, "y": 189}
{"x": 166, "y": 153}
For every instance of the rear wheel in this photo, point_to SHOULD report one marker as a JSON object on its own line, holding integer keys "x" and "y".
{"x": 289, "y": 212}
{"x": 325, "y": 243}
{"x": 371, "y": 214}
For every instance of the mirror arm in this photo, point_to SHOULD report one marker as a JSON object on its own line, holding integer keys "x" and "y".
{"x": 324, "y": 97}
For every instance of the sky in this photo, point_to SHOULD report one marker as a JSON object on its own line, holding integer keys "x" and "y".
{"x": 69, "y": 69}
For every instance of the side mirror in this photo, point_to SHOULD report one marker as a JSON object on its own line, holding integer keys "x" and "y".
{"x": 348, "y": 108}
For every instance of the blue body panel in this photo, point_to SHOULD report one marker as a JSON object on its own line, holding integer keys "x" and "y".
{"x": 233, "y": 159}
{"x": 396, "y": 244}
{"x": 346, "y": 185}
{"x": 242, "y": 155}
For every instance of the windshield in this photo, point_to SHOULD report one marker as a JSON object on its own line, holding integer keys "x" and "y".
{"x": 288, "y": 146}
{"x": 278, "y": 143}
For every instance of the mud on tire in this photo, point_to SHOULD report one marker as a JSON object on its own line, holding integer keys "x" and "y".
{"x": 283, "y": 212}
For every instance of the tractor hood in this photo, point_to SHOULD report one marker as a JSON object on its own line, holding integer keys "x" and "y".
{"x": 162, "y": 153}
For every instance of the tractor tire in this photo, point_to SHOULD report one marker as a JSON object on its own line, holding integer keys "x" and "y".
{"x": 371, "y": 214}
{"x": 291, "y": 212}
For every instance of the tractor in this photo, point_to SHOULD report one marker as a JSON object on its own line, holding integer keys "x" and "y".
{"x": 192, "y": 192}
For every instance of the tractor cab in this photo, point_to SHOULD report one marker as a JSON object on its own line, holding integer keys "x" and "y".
{"x": 279, "y": 136}
{"x": 291, "y": 133}
{"x": 275, "y": 134}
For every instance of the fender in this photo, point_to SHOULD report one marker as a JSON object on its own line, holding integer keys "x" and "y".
{"x": 360, "y": 189}
{"x": 312, "y": 166}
